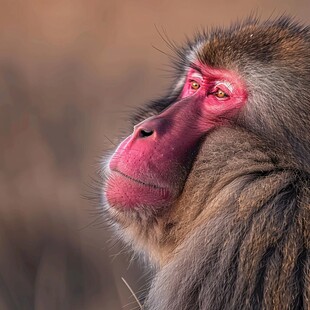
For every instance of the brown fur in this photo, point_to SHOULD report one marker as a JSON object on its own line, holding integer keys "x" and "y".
{"x": 242, "y": 235}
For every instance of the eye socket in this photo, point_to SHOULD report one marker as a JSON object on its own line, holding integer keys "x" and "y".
{"x": 220, "y": 94}
{"x": 194, "y": 85}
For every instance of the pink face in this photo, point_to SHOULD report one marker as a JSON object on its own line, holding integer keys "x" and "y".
{"x": 149, "y": 168}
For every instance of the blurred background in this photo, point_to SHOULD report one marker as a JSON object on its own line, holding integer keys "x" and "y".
{"x": 70, "y": 72}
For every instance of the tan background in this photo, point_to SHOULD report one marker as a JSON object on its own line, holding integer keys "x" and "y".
{"x": 69, "y": 73}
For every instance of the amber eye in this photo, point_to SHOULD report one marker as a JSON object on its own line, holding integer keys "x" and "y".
{"x": 220, "y": 94}
{"x": 194, "y": 85}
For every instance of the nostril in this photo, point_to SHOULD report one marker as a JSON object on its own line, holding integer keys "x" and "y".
{"x": 143, "y": 133}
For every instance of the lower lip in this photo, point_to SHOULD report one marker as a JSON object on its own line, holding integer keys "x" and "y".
{"x": 124, "y": 192}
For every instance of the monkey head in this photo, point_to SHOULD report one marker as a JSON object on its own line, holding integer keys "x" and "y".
{"x": 150, "y": 166}
{"x": 254, "y": 78}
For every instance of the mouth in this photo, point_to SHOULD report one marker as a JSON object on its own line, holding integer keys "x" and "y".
{"x": 137, "y": 181}
{"x": 126, "y": 192}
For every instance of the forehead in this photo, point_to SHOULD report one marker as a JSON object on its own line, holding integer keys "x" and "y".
{"x": 253, "y": 43}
